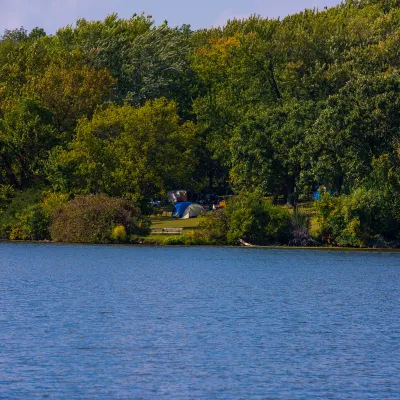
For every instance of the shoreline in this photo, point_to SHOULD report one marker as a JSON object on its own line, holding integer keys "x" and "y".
{"x": 314, "y": 248}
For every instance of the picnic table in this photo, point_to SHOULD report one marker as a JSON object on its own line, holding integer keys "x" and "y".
{"x": 175, "y": 231}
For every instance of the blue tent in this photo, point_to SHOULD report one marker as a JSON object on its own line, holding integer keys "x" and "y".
{"x": 180, "y": 208}
{"x": 317, "y": 195}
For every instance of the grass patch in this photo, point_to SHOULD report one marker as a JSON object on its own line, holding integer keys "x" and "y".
{"x": 160, "y": 222}
{"x": 314, "y": 229}
{"x": 169, "y": 222}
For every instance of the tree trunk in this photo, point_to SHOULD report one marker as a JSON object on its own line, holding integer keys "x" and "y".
{"x": 290, "y": 184}
{"x": 211, "y": 178}
{"x": 12, "y": 179}
{"x": 275, "y": 195}
{"x": 273, "y": 82}
{"x": 339, "y": 184}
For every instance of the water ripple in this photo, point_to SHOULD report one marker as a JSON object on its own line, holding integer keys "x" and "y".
{"x": 197, "y": 323}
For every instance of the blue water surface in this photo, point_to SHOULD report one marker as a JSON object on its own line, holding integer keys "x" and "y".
{"x": 114, "y": 322}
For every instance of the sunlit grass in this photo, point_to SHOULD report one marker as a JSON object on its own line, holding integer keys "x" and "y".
{"x": 169, "y": 222}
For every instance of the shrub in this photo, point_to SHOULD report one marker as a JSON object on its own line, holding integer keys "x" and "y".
{"x": 31, "y": 224}
{"x": 119, "y": 234}
{"x": 257, "y": 221}
{"x": 92, "y": 219}
{"x": 370, "y": 215}
{"x": 27, "y": 214}
{"x": 358, "y": 219}
{"x": 301, "y": 237}
{"x": 330, "y": 217}
{"x": 191, "y": 238}
{"x": 180, "y": 240}
{"x": 248, "y": 217}
{"x": 23, "y": 216}
{"x": 300, "y": 223}
{"x": 213, "y": 228}
{"x": 51, "y": 202}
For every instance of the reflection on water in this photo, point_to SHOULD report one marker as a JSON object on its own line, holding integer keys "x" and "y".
{"x": 186, "y": 323}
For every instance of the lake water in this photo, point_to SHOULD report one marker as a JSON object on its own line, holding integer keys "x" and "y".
{"x": 117, "y": 322}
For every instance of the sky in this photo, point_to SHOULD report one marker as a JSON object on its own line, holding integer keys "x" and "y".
{"x": 54, "y": 14}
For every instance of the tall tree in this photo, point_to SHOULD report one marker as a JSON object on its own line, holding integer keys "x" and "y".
{"x": 26, "y": 137}
{"x": 126, "y": 151}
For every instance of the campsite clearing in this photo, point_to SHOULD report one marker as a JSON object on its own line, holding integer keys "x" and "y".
{"x": 161, "y": 222}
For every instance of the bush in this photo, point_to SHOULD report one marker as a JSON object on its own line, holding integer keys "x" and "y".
{"x": 119, "y": 234}
{"x": 257, "y": 221}
{"x": 300, "y": 223}
{"x": 370, "y": 215}
{"x": 22, "y": 217}
{"x": 300, "y": 237}
{"x": 248, "y": 217}
{"x": 26, "y": 214}
{"x": 358, "y": 219}
{"x": 95, "y": 219}
{"x": 213, "y": 228}
{"x": 51, "y": 202}
{"x": 31, "y": 224}
{"x": 192, "y": 238}
{"x": 180, "y": 240}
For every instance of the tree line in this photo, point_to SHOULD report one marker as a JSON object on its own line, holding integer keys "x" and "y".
{"x": 128, "y": 109}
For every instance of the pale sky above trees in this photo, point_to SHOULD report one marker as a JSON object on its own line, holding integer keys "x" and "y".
{"x": 53, "y": 14}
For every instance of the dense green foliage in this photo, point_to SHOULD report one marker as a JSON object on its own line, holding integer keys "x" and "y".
{"x": 127, "y": 151}
{"x": 128, "y": 109}
{"x": 26, "y": 215}
{"x": 249, "y": 218}
{"x": 22, "y": 217}
{"x": 370, "y": 215}
{"x": 97, "y": 219}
